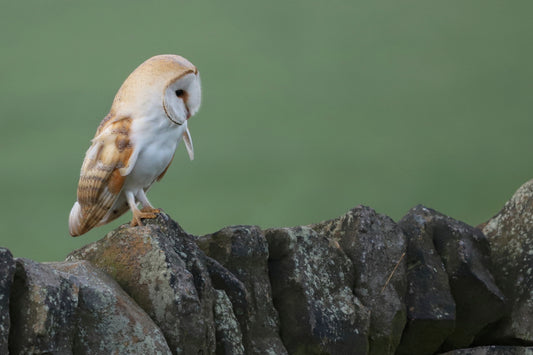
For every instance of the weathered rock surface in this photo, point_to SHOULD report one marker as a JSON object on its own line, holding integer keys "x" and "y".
{"x": 65, "y": 308}
{"x": 108, "y": 321}
{"x": 7, "y": 271}
{"x": 228, "y": 332}
{"x": 430, "y": 304}
{"x": 493, "y": 350}
{"x": 243, "y": 251}
{"x": 357, "y": 284}
{"x": 228, "y": 286}
{"x": 43, "y": 306}
{"x": 163, "y": 270}
{"x": 465, "y": 255}
{"x": 510, "y": 234}
{"x": 312, "y": 282}
{"x": 375, "y": 245}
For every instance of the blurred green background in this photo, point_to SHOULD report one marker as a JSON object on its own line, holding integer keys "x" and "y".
{"x": 310, "y": 108}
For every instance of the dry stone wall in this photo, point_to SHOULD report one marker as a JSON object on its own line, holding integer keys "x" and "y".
{"x": 358, "y": 284}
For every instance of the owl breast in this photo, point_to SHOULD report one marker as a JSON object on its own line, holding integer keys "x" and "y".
{"x": 156, "y": 149}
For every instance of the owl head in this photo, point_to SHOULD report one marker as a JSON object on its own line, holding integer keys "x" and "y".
{"x": 166, "y": 85}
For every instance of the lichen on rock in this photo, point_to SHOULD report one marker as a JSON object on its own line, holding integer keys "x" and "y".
{"x": 356, "y": 284}
{"x": 312, "y": 286}
{"x": 510, "y": 234}
{"x": 241, "y": 270}
{"x": 7, "y": 272}
{"x": 376, "y": 247}
{"x": 163, "y": 270}
{"x": 71, "y": 307}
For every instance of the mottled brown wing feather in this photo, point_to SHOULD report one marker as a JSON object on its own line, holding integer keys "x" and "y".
{"x": 100, "y": 179}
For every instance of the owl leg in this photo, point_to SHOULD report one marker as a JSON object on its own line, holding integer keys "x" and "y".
{"x": 147, "y": 206}
{"x": 137, "y": 214}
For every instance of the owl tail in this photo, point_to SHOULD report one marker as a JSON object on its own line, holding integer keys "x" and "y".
{"x": 74, "y": 220}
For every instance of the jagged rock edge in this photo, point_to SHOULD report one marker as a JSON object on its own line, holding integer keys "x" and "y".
{"x": 270, "y": 280}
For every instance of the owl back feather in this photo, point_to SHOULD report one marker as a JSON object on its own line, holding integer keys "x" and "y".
{"x": 101, "y": 180}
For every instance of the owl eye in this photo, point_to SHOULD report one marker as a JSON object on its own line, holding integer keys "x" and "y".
{"x": 180, "y": 93}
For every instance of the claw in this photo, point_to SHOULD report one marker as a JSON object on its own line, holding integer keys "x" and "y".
{"x": 149, "y": 209}
{"x": 143, "y": 214}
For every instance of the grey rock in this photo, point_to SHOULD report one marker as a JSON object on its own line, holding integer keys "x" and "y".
{"x": 510, "y": 234}
{"x": 7, "y": 272}
{"x": 312, "y": 281}
{"x": 243, "y": 252}
{"x": 357, "y": 284}
{"x": 43, "y": 310}
{"x": 376, "y": 247}
{"x": 234, "y": 288}
{"x": 66, "y": 308}
{"x": 465, "y": 253}
{"x": 163, "y": 270}
{"x": 493, "y": 350}
{"x": 228, "y": 332}
{"x": 430, "y": 305}
{"x": 108, "y": 321}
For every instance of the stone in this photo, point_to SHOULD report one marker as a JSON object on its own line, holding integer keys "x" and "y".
{"x": 465, "y": 254}
{"x": 510, "y": 234}
{"x": 376, "y": 247}
{"x": 228, "y": 332}
{"x": 243, "y": 252}
{"x": 160, "y": 266}
{"x": 492, "y": 350}
{"x": 312, "y": 282}
{"x": 108, "y": 321}
{"x": 430, "y": 305}
{"x": 356, "y": 284}
{"x": 43, "y": 310}
{"x": 235, "y": 290}
{"x": 71, "y": 307}
{"x": 7, "y": 272}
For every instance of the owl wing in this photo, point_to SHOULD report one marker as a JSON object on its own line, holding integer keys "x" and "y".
{"x": 105, "y": 167}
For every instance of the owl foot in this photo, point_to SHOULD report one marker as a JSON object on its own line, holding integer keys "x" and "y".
{"x": 150, "y": 209}
{"x": 138, "y": 215}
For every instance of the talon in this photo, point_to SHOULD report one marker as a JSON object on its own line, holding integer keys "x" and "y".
{"x": 135, "y": 222}
{"x": 151, "y": 210}
{"x": 143, "y": 214}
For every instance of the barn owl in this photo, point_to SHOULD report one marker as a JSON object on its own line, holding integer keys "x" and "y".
{"x": 135, "y": 143}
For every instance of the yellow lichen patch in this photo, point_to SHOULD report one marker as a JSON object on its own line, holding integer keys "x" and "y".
{"x": 121, "y": 262}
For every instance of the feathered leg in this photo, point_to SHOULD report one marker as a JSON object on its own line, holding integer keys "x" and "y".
{"x": 147, "y": 206}
{"x": 137, "y": 214}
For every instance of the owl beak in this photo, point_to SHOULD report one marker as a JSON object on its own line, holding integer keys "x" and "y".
{"x": 188, "y": 143}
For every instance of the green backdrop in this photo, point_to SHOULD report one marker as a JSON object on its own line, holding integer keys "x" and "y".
{"x": 310, "y": 108}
